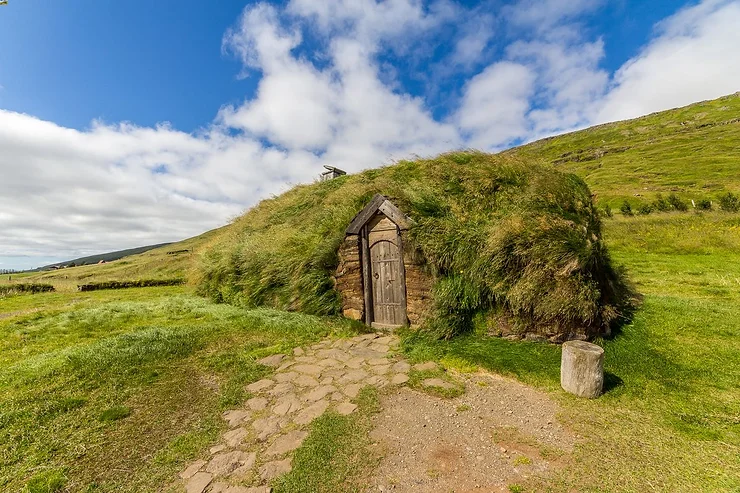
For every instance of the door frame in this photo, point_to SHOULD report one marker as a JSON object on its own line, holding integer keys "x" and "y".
{"x": 367, "y": 281}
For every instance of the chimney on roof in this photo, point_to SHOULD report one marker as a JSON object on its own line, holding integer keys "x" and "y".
{"x": 331, "y": 173}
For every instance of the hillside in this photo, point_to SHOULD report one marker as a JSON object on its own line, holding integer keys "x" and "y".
{"x": 121, "y": 390}
{"x": 105, "y": 257}
{"x": 692, "y": 151}
{"x": 157, "y": 263}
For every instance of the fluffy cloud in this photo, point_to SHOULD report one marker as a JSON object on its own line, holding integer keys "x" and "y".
{"x": 692, "y": 58}
{"x": 329, "y": 91}
{"x": 496, "y": 103}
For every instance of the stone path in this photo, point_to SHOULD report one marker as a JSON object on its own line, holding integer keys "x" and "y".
{"x": 264, "y": 432}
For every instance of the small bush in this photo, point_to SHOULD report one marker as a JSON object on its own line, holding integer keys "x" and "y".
{"x": 661, "y": 204}
{"x": 608, "y": 211}
{"x": 704, "y": 205}
{"x": 645, "y": 209}
{"x": 626, "y": 209}
{"x": 677, "y": 203}
{"x": 142, "y": 283}
{"x": 49, "y": 481}
{"x": 32, "y": 288}
{"x": 729, "y": 202}
{"x": 114, "y": 414}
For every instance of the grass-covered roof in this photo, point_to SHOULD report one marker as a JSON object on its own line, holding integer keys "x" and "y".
{"x": 512, "y": 239}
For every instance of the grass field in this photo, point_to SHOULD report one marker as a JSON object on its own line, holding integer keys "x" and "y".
{"x": 691, "y": 151}
{"x": 117, "y": 390}
{"x": 114, "y": 390}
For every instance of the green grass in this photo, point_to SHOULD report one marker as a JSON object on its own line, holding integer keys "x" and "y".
{"x": 115, "y": 391}
{"x": 153, "y": 264}
{"x": 670, "y": 417}
{"x": 691, "y": 151}
{"x": 334, "y": 457}
{"x": 669, "y": 421}
{"x": 498, "y": 235}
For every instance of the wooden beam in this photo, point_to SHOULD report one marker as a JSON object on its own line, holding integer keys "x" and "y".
{"x": 367, "y": 287}
{"x": 382, "y": 204}
{"x": 394, "y": 214}
{"x": 364, "y": 215}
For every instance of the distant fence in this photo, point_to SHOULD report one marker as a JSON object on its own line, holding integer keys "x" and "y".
{"x": 141, "y": 283}
{"x": 18, "y": 288}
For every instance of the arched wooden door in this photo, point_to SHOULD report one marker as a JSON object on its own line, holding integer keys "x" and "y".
{"x": 387, "y": 276}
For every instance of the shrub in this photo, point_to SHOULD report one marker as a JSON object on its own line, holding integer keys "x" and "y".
{"x": 626, "y": 209}
{"x": 677, "y": 204}
{"x": 661, "y": 204}
{"x": 494, "y": 231}
{"x": 47, "y": 481}
{"x": 704, "y": 205}
{"x": 645, "y": 209}
{"x": 18, "y": 288}
{"x": 608, "y": 211}
{"x": 114, "y": 414}
{"x": 142, "y": 283}
{"x": 729, "y": 202}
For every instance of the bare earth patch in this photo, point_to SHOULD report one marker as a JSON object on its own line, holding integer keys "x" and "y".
{"x": 498, "y": 433}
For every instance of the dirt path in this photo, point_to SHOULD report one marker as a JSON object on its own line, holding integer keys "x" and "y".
{"x": 496, "y": 433}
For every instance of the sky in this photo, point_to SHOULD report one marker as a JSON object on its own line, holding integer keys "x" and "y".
{"x": 125, "y": 125}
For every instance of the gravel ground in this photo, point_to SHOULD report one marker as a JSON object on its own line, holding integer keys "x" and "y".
{"x": 497, "y": 434}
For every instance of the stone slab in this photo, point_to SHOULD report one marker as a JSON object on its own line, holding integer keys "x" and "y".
{"x": 198, "y": 483}
{"x": 272, "y": 361}
{"x": 257, "y": 403}
{"x": 311, "y": 412}
{"x": 286, "y": 443}
{"x": 260, "y": 385}
{"x": 271, "y": 470}
{"x": 192, "y": 469}
{"x": 437, "y": 382}
{"x": 346, "y": 408}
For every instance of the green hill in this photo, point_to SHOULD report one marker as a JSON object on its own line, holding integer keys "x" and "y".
{"x": 105, "y": 257}
{"x": 692, "y": 151}
{"x": 505, "y": 240}
{"x": 669, "y": 419}
{"x": 175, "y": 260}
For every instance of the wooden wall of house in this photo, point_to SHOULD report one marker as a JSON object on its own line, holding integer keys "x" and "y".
{"x": 348, "y": 279}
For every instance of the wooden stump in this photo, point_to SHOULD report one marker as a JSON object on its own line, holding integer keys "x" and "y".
{"x": 582, "y": 369}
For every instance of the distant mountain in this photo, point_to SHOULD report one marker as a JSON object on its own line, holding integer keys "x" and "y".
{"x": 107, "y": 257}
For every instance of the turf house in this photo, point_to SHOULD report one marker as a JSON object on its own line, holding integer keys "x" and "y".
{"x": 464, "y": 241}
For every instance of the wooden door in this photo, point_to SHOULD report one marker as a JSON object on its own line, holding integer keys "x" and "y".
{"x": 386, "y": 274}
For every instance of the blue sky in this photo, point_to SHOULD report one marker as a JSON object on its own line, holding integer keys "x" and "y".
{"x": 127, "y": 124}
{"x": 75, "y": 61}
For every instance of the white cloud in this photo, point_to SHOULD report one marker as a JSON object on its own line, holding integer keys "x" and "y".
{"x": 693, "y": 58}
{"x": 542, "y": 15}
{"x": 495, "y": 105}
{"x": 338, "y": 100}
{"x": 569, "y": 82}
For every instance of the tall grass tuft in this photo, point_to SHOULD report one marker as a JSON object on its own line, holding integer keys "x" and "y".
{"x": 498, "y": 234}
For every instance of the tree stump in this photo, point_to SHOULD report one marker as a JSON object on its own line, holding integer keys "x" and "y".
{"x": 582, "y": 369}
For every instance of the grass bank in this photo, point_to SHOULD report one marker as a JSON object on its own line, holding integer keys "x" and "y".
{"x": 670, "y": 419}
{"x": 115, "y": 391}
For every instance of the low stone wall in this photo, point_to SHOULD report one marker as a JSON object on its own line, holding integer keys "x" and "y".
{"x": 419, "y": 302}
{"x": 349, "y": 278}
